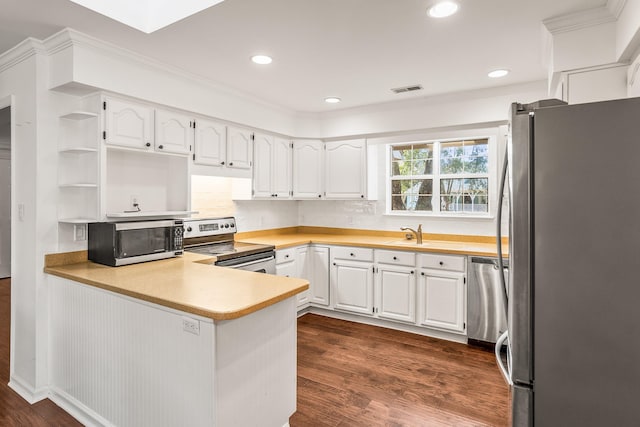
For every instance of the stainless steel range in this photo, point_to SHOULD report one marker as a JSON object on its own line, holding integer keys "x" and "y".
{"x": 215, "y": 237}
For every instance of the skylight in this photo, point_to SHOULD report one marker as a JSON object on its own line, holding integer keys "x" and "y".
{"x": 147, "y": 15}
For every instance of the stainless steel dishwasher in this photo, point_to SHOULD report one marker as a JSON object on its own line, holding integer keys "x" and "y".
{"x": 486, "y": 313}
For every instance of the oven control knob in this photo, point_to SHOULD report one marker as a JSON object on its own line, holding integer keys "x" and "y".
{"x": 232, "y": 225}
{"x": 226, "y": 226}
{"x": 189, "y": 228}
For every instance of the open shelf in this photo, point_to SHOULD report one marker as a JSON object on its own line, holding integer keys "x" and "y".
{"x": 79, "y": 115}
{"x": 148, "y": 214}
{"x": 78, "y": 150}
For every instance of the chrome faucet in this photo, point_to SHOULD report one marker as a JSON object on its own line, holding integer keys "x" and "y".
{"x": 418, "y": 233}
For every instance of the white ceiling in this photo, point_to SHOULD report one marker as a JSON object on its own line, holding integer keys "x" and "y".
{"x": 354, "y": 49}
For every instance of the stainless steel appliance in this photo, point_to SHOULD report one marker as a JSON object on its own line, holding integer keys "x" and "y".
{"x": 123, "y": 243}
{"x": 215, "y": 237}
{"x": 486, "y": 311}
{"x": 573, "y": 316}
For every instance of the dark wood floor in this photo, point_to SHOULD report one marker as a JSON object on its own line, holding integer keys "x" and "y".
{"x": 348, "y": 375}
{"x": 357, "y": 375}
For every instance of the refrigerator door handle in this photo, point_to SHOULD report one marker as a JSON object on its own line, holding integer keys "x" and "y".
{"x": 503, "y": 369}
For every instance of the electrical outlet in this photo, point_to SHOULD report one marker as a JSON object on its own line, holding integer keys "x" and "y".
{"x": 79, "y": 232}
{"x": 191, "y": 325}
{"x": 134, "y": 201}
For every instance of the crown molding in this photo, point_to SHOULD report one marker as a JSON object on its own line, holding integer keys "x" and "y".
{"x": 615, "y": 7}
{"x": 70, "y": 37}
{"x": 21, "y": 52}
{"x": 583, "y": 19}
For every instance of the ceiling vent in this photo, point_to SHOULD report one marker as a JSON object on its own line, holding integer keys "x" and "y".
{"x": 406, "y": 89}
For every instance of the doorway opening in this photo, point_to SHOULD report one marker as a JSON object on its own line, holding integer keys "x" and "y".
{"x": 5, "y": 240}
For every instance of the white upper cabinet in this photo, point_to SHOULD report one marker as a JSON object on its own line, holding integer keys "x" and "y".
{"x": 346, "y": 169}
{"x": 127, "y": 124}
{"x": 239, "y": 148}
{"x": 308, "y": 169}
{"x": 281, "y": 168}
{"x": 210, "y": 143}
{"x": 173, "y": 132}
{"x": 271, "y": 167}
{"x": 263, "y": 148}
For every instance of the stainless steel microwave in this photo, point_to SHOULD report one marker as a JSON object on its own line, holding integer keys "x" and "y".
{"x": 123, "y": 243}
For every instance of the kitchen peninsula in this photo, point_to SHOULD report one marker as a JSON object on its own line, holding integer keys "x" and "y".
{"x": 171, "y": 342}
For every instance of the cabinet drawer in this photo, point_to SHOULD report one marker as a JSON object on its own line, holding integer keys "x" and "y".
{"x": 285, "y": 255}
{"x": 396, "y": 257}
{"x": 359, "y": 254}
{"x": 443, "y": 262}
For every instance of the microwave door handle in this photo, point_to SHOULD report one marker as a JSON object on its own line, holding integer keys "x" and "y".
{"x": 503, "y": 369}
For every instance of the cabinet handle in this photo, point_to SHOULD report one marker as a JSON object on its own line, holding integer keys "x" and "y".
{"x": 222, "y": 163}
{"x": 148, "y": 144}
{"x": 441, "y": 263}
{"x": 412, "y": 272}
{"x": 230, "y": 163}
{"x": 319, "y": 195}
{"x": 334, "y": 263}
{"x": 160, "y": 147}
{"x": 351, "y": 254}
{"x": 362, "y": 196}
{"x": 395, "y": 258}
{"x": 286, "y": 256}
{"x": 422, "y": 274}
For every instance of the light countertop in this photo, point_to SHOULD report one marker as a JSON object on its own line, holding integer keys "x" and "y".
{"x": 187, "y": 283}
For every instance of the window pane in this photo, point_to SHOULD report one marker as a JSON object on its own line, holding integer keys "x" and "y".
{"x": 451, "y": 186}
{"x": 410, "y": 195}
{"x": 422, "y": 167}
{"x": 464, "y": 156}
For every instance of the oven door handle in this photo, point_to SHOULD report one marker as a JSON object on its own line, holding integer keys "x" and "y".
{"x": 248, "y": 263}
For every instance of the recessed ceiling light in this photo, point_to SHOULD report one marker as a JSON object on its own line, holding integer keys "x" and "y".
{"x": 498, "y": 73}
{"x": 332, "y": 100}
{"x": 261, "y": 59}
{"x": 443, "y": 9}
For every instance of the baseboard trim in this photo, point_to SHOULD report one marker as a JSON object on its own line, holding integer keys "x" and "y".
{"x": 26, "y": 391}
{"x": 77, "y": 410}
{"x": 433, "y": 333}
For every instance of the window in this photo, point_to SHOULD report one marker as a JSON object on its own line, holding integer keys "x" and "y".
{"x": 447, "y": 177}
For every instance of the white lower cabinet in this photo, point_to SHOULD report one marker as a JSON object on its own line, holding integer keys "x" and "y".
{"x": 317, "y": 263}
{"x": 442, "y": 293}
{"x": 290, "y": 263}
{"x": 352, "y": 279}
{"x": 396, "y": 292}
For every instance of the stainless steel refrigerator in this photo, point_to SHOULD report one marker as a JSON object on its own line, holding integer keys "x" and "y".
{"x": 574, "y": 292}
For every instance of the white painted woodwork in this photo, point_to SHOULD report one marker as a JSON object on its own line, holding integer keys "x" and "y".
{"x": 443, "y": 262}
{"x": 239, "y": 148}
{"x": 271, "y": 167}
{"x": 173, "y": 132}
{"x": 352, "y": 253}
{"x": 318, "y": 260}
{"x": 281, "y": 168}
{"x": 304, "y": 269}
{"x": 210, "y": 143}
{"x": 396, "y": 257}
{"x": 352, "y": 285}
{"x": 120, "y": 361}
{"x": 263, "y": 148}
{"x": 285, "y": 255}
{"x": 346, "y": 169}
{"x": 396, "y": 292}
{"x": 5, "y": 215}
{"x": 289, "y": 263}
{"x": 441, "y": 300}
{"x": 128, "y": 124}
{"x": 308, "y": 169}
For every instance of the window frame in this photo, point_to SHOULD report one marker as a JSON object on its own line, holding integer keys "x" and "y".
{"x": 491, "y": 175}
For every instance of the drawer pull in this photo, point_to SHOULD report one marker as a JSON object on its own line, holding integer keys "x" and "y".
{"x": 422, "y": 274}
{"x": 441, "y": 263}
{"x": 395, "y": 258}
{"x": 286, "y": 256}
{"x": 412, "y": 272}
{"x": 351, "y": 254}
{"x": 335, "y": 263}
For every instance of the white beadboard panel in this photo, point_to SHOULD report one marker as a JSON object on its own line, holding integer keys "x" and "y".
{"x": 256, "y": 375}
{"x": 128, "y": 363}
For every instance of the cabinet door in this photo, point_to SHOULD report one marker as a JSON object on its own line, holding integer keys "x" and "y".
{"x": 281, "y": 169}
{"x": 210, "y": 143}
{"x": 239, "y": 148}
{"x": 174, "y": 132}
{"x": 352, "y": 286}
{"x": 128, "y": 125}
{"x": 308, "y": 169}
{"x": 320, "y": 278}
{"x": 304, "y": 270}
{"x": 346, "y": 169}
{"x": 442, "y": 300}
{"x": 263, "y": 149}
{"x": 396, "y": 293}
